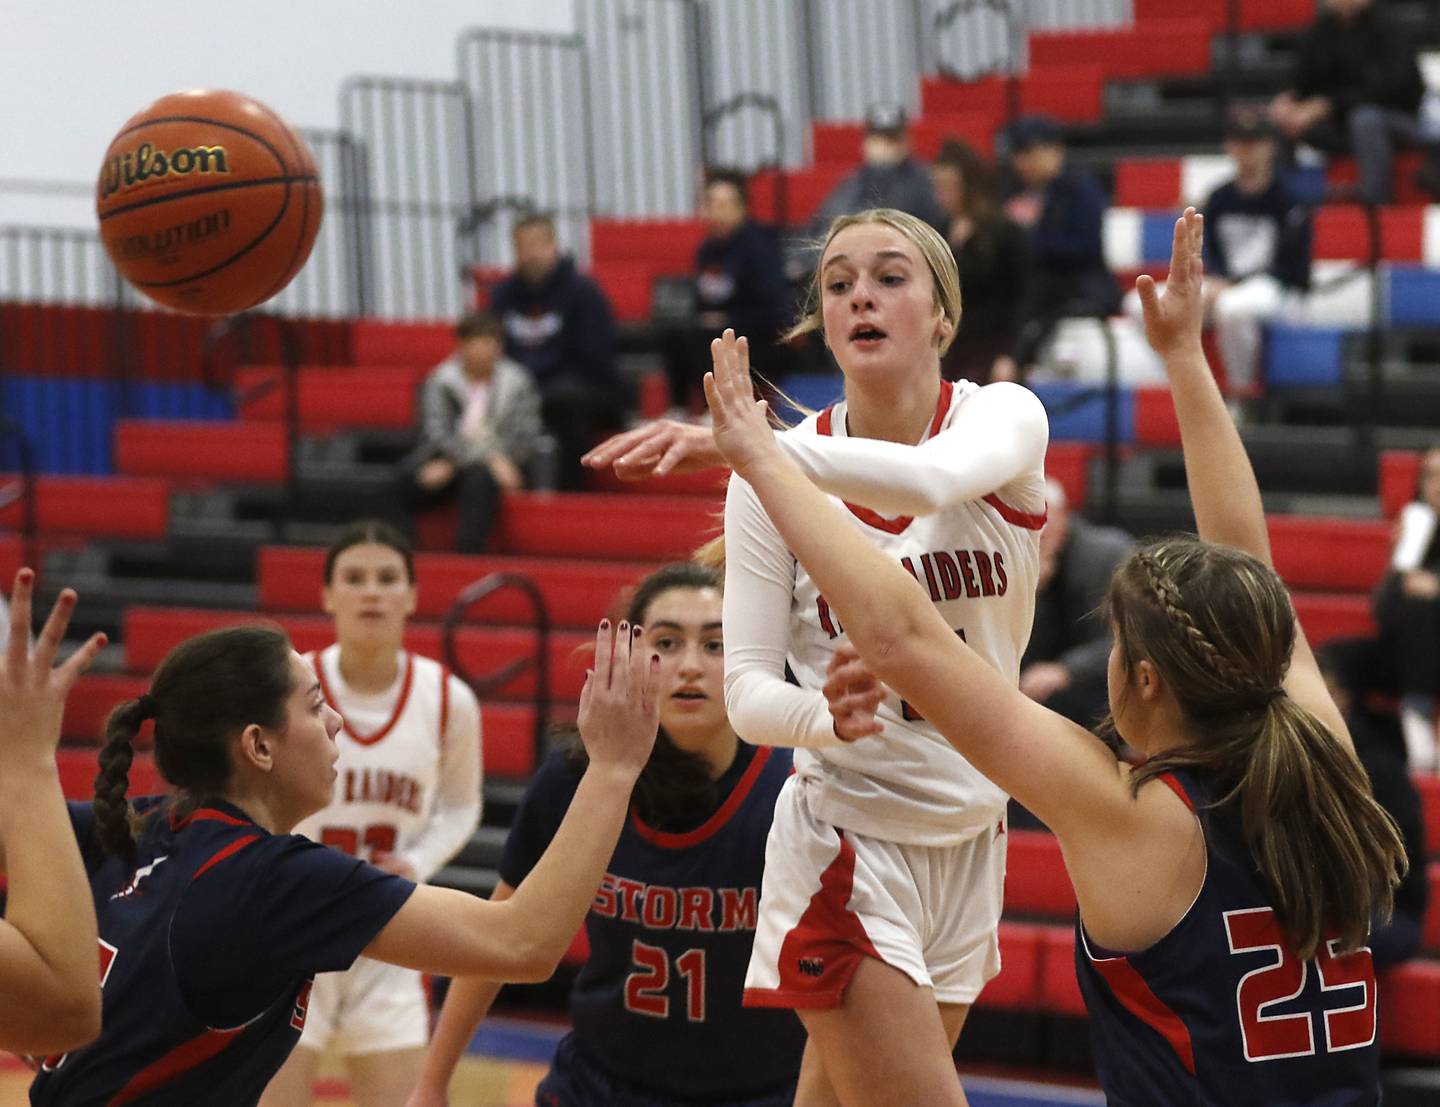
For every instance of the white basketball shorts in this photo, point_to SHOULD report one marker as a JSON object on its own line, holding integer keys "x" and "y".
{"x": 370, "y": 1008}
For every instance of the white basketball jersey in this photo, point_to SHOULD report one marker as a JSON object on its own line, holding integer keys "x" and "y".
{"x": 979, "y": 561}
{"x": 390, "y": 746}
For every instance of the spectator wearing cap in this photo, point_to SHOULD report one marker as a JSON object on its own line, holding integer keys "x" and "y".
{"x": 1063, "y": 211}
{"x": 889, "y": 176}
{"x": 739, "y": 283}
{"x": 1257, "y": 252}
{"x": 1357, "y": 87}
{"x": 479, "y": 423}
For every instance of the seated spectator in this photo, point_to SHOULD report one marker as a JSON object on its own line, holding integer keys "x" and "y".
{"x": 991, "y": 253}
{"x": 888, "y": 178}
{"x": 1407, "y": 610}
{"x": 1357, "y": 88}
{"x": 1363, "y": 690}
{"x": 1065, "y": 662}
{"x": 1258, "y": 236}
{"x": 1063, "y": 212}
{"x": 558, "y": 325}
{"x": 739, "y": 282}
{"x": 479, "y": 424}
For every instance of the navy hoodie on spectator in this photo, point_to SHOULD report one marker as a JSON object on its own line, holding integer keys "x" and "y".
{"x": 560, "y": 329}
{"x": 1266, "y": 232}
{"x": 742, "y": 277}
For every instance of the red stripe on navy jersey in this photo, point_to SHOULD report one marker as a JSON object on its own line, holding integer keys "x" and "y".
{"x": 822, "y": 951}
{"x": 1132, "y": 993}
{"x": 206, "y": 815}
{"x": 1014, "y": 516}
{"x": 368, "y": 739}
{"x": 825, "y": 425}
{"x": 175, "y": 1064}
{"x": 1171, "y": 782}
{"x": 229, "y": 851}
{"x": 712, "y": 825}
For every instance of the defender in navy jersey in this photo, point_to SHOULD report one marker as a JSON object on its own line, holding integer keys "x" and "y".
{"x": 214, "y": 919}
{"x": 1226, "y": 885}
{"x": 657, "y": 1006}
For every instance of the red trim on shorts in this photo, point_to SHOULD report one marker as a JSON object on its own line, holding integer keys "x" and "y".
{"x": 715, "y": 822}
{"x": 1014, "y": 516}
{"x": 1170, "y": 781}
{"x": 228, "y": 851}
{"x": 828, "y": 940}
{"x": 825, "y": 425}
{"x": 175, "y": 1064}
{"x": 1132, "y": 993}
{"x": 368, "y": 739}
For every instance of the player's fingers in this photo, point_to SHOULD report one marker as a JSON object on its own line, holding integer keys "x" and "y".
{"x": 615, "y": 446}
{"x": 17, "y": 650}
{"x": 628, "y": 682}
{"x": 673, "y": 456}
{"x": 586, "y": 692}
{"x": 1145, "y": 289}
{"x": 53, "y": 632}
{"x": 604, "y": 653}
{"x": 80, "y": 660}
{"x": 742, "y": 356}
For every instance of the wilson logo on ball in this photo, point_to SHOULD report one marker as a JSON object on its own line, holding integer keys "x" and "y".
{"x": 149, "y": 164}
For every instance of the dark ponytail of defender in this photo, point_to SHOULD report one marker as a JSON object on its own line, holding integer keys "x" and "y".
{"x": 208, "y": 689}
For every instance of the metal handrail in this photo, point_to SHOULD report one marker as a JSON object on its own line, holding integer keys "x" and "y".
{"x": 484, "y": 686}
{"x": 769, "y": 104}
{"x": 24, "y": 491}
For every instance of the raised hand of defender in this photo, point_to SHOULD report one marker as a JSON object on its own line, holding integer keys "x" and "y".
{"x": 32, "y": 687}
{"x": 1173, "y": 318}
{"x": 655, "y": 449}
{"x": 740, "y": 426}
{"x": 619, "y": 705}
{"x": 853, "y": 693}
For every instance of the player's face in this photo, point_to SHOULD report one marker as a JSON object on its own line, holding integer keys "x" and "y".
{"x": 369, "y": 593}
{"x": 878, "y": 302}
{"x": 683, "y": 627}
{"x": 307, "y": 750}
{"x": 1430, "y": 478}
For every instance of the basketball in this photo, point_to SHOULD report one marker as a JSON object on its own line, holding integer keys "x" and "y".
{"x": 208, "y": 202}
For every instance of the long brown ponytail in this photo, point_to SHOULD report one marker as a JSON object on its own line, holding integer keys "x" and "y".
{"x": 1219, "y": 627}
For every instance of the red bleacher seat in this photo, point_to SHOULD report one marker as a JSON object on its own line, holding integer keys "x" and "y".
{"x": 1147, "y": 182}
{"x": 627, "y": 285}
{"x": 1156, "y": 47}
{"x": 1036, "y": 882}
{"x": 337, "y": 398}
{"x": 978, "y": 129}
{"x": 1409, "y": 999}
{"x": 942, "y": 96}
{"x": 379, "y": 342}
{"x": 1276, "y": 15}
{"x": 665, "y": 245}
{"x": 710, "y": 482}
{"x": 11, "y": 554}
{"x": 836, "y": 143}
{"x": 1399, "y": 474}
{"x": 1071, "y": 93}
{"x": 1343, "y": 171}
{"x": 115, "y": 507}
{"x": 1213, "y": 13}
{"x": 91, "y": 700}
{"x": 1059, "y": 990}
{"x": 1068, "y": 463}
{"x": 1428, "y": 785}
{"x": 648, "y": 528}
{"x": 1336, "y": 554}
{"x": 1327, "y": 615}
{"x": 805, "y": 191}
{"x": 78, "y": 767}
{"x": 1431, "y": 936}
{"x": 198, "y": 450}
{"x": 1155, "y": 421}
{"x": 1017, "y": 986}
{"x": 1342, "y": 232}
{"x": 577, "y": 593}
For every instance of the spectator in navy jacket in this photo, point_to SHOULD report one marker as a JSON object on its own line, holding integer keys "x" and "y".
{"x": 1063, "y": 210}
{"x": 889, "y": 177}
{"x": 739, "y": 283}
{"x": 558, "y": 325}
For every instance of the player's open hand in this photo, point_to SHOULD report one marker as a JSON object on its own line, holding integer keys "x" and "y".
{"x": 619, "y": 705}
{"x": 32, "y": 687}
{"x": 1173, "y": 319}
{"x": 853, "y": 694}
{"x": 655, "y": 449}
{"x": 741, "y": 429}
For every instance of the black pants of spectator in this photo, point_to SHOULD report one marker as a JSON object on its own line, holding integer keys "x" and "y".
{"x": 1370, "y": 133}
{"x": 1409, "y": 638}
{"x": 687, "y": 359}
{"x": 473, "y": 487}
{"x": 577, "y": 414}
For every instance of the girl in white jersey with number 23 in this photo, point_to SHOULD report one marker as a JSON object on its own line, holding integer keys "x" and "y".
{"x": 885, "y": 865}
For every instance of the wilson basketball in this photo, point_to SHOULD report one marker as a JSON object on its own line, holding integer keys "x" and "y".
{"x": 208, "y": 201}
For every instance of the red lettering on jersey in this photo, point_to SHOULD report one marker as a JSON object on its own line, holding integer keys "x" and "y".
{"x": 737, "y": 907}
{"x": 987, "y": 578}
{"x": 697, "y": 909}
{"x": 1001, "y": 583}
{"x": 605, "y": 903}
{"x": 630, "y": 891}
{"x": 349, "y": 785}
{"x": 909, "y": 567}
{"x": 827, "y": 624}
{"x": 302, "y": 1005}
{"x": 967, "y": 573}
{"x": 949, "y": 574}
{"x": 929, "y": 566}
{"x": 661, "y": 907}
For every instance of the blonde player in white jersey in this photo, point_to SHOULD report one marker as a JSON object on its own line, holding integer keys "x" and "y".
{"x": 407, "y": 798}
{"x": 885, "y": 865}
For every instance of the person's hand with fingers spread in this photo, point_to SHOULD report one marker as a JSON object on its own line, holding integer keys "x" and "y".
{"x": 619, "y": 704}
{"x": 49, "y": 983}
{"x": 740, "y": 424}
{"x": 1173, "y": 320}
{"x": 853, "y": 694}
{"x": 656, "y": 449}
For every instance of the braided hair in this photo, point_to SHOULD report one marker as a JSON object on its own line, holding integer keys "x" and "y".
{"x": 1219, "y": 628}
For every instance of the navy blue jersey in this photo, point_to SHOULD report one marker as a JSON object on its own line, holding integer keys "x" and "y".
{"x": 1219, "y": 1011}
{"x": 208, "y": 945}
{"x": 658, "y": 1002}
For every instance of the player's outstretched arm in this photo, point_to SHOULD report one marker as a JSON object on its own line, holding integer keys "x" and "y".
{"x": 467, "y": 1002}
{"x": 655, "y": 450}
{"x": 441, "y": 930}
{"x": 907, "y": 644}
{"x": 1223, "y": 489}
{"x": 49, "y": 953}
